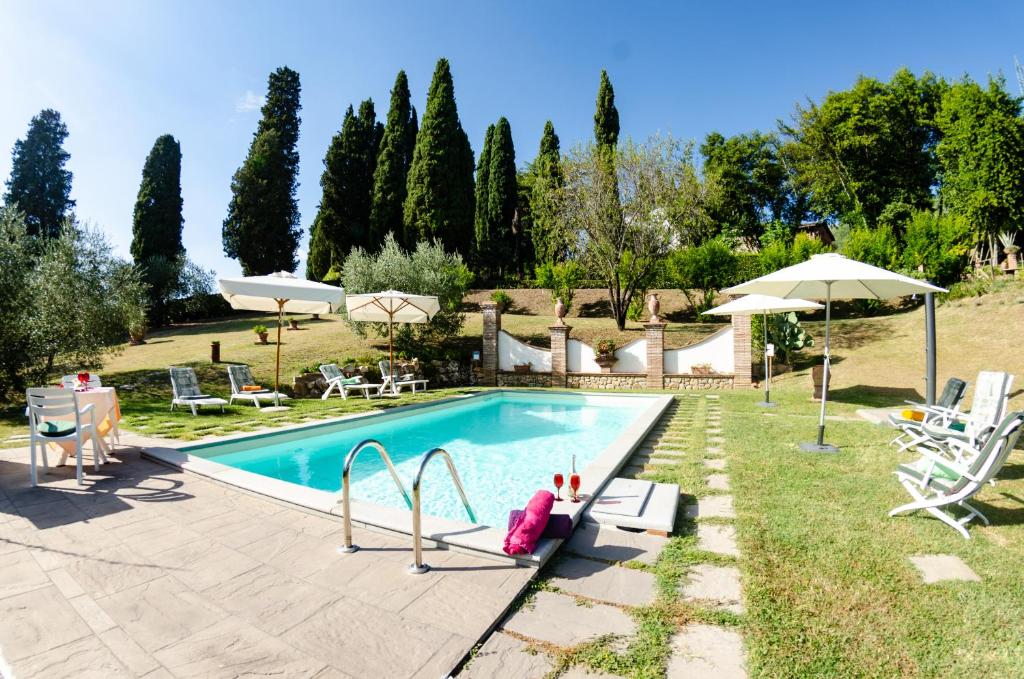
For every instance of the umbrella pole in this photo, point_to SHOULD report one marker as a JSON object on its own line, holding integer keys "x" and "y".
{"x": 391, "y": 352}
{"x": 821, "y": 446}
{"x": 277, "y": 368}
{"x": 767, "y": 402}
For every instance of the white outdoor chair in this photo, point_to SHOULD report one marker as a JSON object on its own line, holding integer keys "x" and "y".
{"x": 54, "y": 416}
{"x": 71, "y": 381}
{"x": 936, "y": 482}
{"x": 941, "y": 412}
{"x": 336, "y": 379}
{"x": 394, "y": 383}
{"x": 186, "y": 392}
{"x": 988, "y": 407}
{"x": 240, "y": 376}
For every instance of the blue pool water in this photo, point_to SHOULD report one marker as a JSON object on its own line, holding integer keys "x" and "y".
{"x": 505, "y": 446}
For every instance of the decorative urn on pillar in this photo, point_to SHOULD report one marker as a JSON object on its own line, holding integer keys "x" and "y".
{"x": 654, "y": 306}
{"x": 560, "y": 311}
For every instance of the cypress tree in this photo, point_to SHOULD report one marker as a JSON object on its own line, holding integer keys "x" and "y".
{"x": 482, "y": 257}
{"x": 606, "y": 117}
{"x": 439, "y": 201}
{"x": 549, "y": 241}
{"x": 39, "y": 184}
{"x": 392, "y": 171}
{"x": 157, "y": 222}
{"x": 343, "y": 219}
{"x": 501, "y": 200}
{"x": 262, "y": 229}
{"x": 318, "y": 261}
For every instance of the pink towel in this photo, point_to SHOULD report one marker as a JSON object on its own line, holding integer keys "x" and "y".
{"x": 523, "y": 537}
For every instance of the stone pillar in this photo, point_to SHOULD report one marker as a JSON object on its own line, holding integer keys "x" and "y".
{"x": 489, "y": 354}
{"x": 741, "y": 351}
{"x": 655, "y": 335}
{"x": 559, "y": 356}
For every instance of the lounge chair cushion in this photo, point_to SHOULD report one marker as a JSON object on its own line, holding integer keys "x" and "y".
{"x": 56, "y": 428}
{"x": 352, "y": 380}
{"x": 915, "y": 415}
{"x": 251, "y": 387}
{"x": 941, "y": 475}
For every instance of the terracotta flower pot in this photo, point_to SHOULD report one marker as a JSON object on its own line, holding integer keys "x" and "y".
{"x": 653, "y": 306}
{"x": 263, "y": 337}
{"x": 605, "y": 361}
{"x": 817, "y": 377}
{"x": 560, "y": 311}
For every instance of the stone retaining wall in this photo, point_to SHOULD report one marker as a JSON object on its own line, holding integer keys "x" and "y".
{"x": 506, "y": 379}
{"x": 699, "y": 382}
{"x": 606, "y": 381}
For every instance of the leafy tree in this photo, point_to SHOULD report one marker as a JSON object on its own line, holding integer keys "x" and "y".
{"x": 64, "y": 307}
{"x": 982, "y": 157}
{"x": 439, "y": 201}
{"x": 551, "y": 242}
{"x": 869, "y": 146}
{"x": 606, "y": 117}
{"x": 502, "y": 189}
{"x": 624, "y": 241}
{"x": 938, "y": 246}
{"x": 878, "y": 247}
{"x": 707, "y": 268}
{"x": 561, "y": 279}
{"x": 392, "y": 171}
{"x": 262, "y": 229}
{"x": 157, "y": 223}
{"x": 482, "y": 219}
{"x": 427, "y": 270}
{"x": 39, "y": 184}
{"x": 343, "y": 219}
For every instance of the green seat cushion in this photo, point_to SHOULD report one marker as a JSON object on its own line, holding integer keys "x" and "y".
{"x": 941, "y": 476}
{"x": 352, "y": 380}
{"x": 56, "y": 427}
{"x": 958, "y": 426}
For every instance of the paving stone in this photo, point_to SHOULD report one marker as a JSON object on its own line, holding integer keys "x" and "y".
{"x": 713, "y": 450}
{"x": 649, "y": 461}
{"x": 715, "y": 463}
{"x": 633, "y": 470}
{"x": 938, "y": 567}
{"x": 578, "y": 672}
{"x": 701, "y": 651}
{"x": 719, "y": 585}
{"x": 717, "y": 440}
{"x": 718, "y": 481}
{"x": 83, "y": 658}
{"x": 129, "y": 653}
{"x": 717, "y": 539}
{"x": 712, "y": 430}
{"x": 202, "y": 564}
{"x": 233, "y": 648}
{"x": 505, "y": 657}
{"x": 612, "y": 544}
{"x": 94, "y": 616}
{"x": 21, "y": 574}
{"x": 37, "y": 621}
{"x": 557, "y": 619}
{"x": 605, "y": 582}
{"x": 711, "y": 507}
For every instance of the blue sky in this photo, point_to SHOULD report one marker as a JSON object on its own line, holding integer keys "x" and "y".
{"x": 121, "y": 74}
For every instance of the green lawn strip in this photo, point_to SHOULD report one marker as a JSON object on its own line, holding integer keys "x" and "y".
{"x": 828, "y": 585}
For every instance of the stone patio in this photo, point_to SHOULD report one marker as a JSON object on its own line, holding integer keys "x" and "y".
{"x": 151, "y": 571}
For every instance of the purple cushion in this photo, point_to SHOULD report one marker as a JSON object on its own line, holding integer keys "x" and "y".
{"x": 559, "y": 526}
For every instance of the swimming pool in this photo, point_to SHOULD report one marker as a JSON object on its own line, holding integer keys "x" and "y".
{"x": 505, "y": 445}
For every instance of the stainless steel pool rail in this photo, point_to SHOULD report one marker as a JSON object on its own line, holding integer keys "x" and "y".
{"x": 417, "y": 567}
{"x": 346, "y": 487}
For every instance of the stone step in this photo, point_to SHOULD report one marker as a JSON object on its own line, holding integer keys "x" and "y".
{"x": 717, "y": 539}
{"x": 718, "y": 481}
{"x": 609, "y": 543}
{"x": 700, "y": 650}
{"x": 604, "y": 582}
{"x": 717, "y": 585}
{"x": 712, "y": 507}
{"x": 715, "y": 463}
{"x": 557, "y": 619}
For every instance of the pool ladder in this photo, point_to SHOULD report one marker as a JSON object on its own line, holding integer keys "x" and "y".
{"x": 417, "y": 567}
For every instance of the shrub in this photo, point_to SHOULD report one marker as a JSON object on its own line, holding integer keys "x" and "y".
{"x": 748, "y": 267}
{"x": 938, "y": 245}
{"x": 605, "y": 347}
{"x": 427, "y": 270}
{"x": 707, "y": 268}
{"x": 804, "y": 246}
{"x": 502, "y": 299}
{"x": 877, "y": 247}
{"x": 561, "y": 279}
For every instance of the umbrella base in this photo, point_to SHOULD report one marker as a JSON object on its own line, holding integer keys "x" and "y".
{"x": 818, "y": 448}
{"x": 767, "y": 404}
{"x": 274, "y": 409}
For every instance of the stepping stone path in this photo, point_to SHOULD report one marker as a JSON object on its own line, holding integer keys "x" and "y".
{"x": 940, "y": 567}
{"x": 595, "y": 587}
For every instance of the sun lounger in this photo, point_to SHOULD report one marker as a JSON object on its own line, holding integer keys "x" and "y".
{"x": 186, "y": 392}
{"x": 244, "y": 387}
{"x": 336, "y": 379}
{"x": 394, "y": 383}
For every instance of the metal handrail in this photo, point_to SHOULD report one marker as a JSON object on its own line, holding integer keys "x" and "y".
{"x": 346, "y": 485}
{"x": 418, "y": 567}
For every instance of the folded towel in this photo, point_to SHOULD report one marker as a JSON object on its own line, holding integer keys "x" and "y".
{"x": 251, "y": 387}
{"x": 352, "y": 380}
{"x": 559, "y": 526}
{"x": 523, "y": 537}
{"x": 915, "y": 415}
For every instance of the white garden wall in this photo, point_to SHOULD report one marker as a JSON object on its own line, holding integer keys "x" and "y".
{"x": 511, "y": 352}
{"x": 632, "y": 358}
{"x": 716, "y": 350}
{"x": 579, "y": 357}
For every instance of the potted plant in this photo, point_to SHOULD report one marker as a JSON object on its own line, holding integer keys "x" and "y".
{"x": 502, "y": 299}
{"x": 1011, "y": 249}
{"x": 605, "y": 354}
{"x": 522, "y": 368}
{"x": 261, "y": 332}
{"x": 136, "y": 333}
{"x": 293, "y": 324}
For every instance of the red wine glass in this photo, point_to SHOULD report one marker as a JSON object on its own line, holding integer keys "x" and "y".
{"x": 574, "y": 483}
{"x": 83, "y": 379}
{"x": 559, "y": 482}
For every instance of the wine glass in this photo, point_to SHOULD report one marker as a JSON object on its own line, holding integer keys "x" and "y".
{"x": 83, "y": 379}
{"x": 559, "y": 482}
{"x": 574, "y": 483}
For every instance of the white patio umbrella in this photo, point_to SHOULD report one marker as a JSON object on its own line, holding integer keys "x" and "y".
{"x": 764, "y": 305}
{"x": 831, "y": 276}
{"x": 280, "y": 292}
{"x": 391, "y": 306}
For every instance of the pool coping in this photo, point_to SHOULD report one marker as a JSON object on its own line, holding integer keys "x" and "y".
{"x": 480, "y": 540}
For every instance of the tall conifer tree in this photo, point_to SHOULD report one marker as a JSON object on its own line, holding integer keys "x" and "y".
{"x": 262, "y": 229}
{"x": 550, "y": 242}
{"x": 439, "y": 201}
{"x": 39, "y": 184}
{"x": 392, "y": 171}
{"x": 606, "y": 117}
{"x": 481, "y": 259}
{"x": 501, "y": 201}
{"x": 157, "y": 222}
